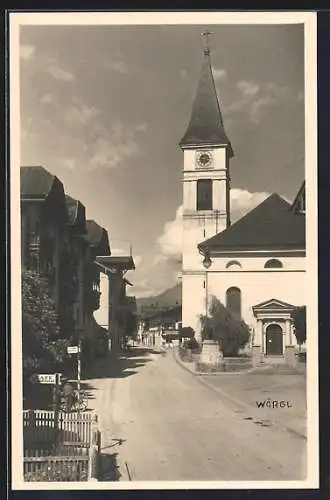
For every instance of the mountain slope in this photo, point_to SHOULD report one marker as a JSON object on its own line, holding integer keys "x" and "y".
{"x": 168, "y": 298}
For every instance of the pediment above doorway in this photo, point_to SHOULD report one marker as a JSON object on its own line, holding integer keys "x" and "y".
{"x": 273, "y": 306}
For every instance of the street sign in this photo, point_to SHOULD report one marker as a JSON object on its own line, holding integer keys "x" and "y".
{"x": 73, "y": 349}
{"x": 49, "y": 378}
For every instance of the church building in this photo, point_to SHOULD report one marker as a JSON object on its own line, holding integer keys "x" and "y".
{"x": 256, "y": 266}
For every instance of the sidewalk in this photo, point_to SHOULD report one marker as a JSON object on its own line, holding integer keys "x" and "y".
{"x": 244, "y": 392}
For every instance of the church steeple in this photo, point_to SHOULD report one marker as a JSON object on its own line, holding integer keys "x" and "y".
{"x": 206, "y": 125}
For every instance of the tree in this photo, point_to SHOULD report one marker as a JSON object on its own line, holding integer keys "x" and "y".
{"x": 187, "y": 332}
{"x": 43, "y": 349}
{"x": 299, "y": 324}
{"x": 223, "y": 326}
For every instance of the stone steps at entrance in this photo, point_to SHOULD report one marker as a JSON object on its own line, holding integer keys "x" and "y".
{"x": 275, "y": 360}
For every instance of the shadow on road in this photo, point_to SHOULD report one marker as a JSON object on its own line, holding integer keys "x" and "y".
{"x": 118, "y": 365}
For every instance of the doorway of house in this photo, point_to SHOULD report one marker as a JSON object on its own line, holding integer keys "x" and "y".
{"x": 274, "y": 340}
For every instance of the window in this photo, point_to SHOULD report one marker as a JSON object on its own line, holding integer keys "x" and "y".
{"x": 204, "y": 194}
{"x": 273, "y": 264}
{"x": 233, "y": 300}
{"x": 233, "y": 265}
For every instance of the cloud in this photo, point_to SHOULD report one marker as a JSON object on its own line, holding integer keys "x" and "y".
{"x": 80, "y": 114}
{"x": 69, "y": 163}
{"x": 80, "y": 135}
{"x": 137, "y": 260}
{"x": 55, "y": 70}
{"x": 219, "y": 74}
{"x": 115, "y": 145}
{"x": 258, "y": 107}
{"x": 169, "y": 243}
{"x": 142, "y": 127}
{"x": 145, "y": 288}
{"x": 47, "y": 99}
{"x": 115, "y": 65}
{"x": 27, "y": 51}
{"x": 248, "y": 88}
{"x": 242, "y": 201}
{"x": 119, "y": 67}
{"x": 45, "y": 62}
{"x": 255, "y": 100}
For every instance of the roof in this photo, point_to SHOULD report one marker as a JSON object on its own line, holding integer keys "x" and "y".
{"x": 97, "y": 237}
{"x": 36, "y": 182}
{"x": 206, "y": 124}
{"x": 72, "y": 208}
{"x": 76, "y": 212}
{"x": 94, "y": 233}
{"x": 271, "y": 225}
{"x": 271, "y": 305}
{"x": 124, "y": 263}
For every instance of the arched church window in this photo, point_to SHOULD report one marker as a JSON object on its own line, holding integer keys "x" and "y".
{"x": 233, "y": 265}
{"x": 273, "y": 264}
{"x": 233, "y": 300}
{"x": 204, "y": 194}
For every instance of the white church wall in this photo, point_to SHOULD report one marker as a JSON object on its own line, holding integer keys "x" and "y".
{"x": 194, "y": 261}
{"x": 256, "y": 284}
{"x": 193, "y": 300}
{"x": 258, "y": 287}
{"x": 200, "y": 225}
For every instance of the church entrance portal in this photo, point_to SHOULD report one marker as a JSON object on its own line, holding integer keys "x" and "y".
{"x": 274, "y": 340}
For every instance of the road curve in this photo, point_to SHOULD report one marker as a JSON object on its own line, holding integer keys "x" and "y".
{"x": 158, "y": 423}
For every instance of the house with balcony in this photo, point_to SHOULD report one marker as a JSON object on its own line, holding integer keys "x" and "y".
{"x": 96, "y": 337}
{"x": 59, "y": 243}
{"x": 45, "y": 239}
{"x": 119, "y": 307}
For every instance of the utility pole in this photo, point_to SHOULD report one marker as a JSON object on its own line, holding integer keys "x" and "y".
{"x": 79, "y": 371}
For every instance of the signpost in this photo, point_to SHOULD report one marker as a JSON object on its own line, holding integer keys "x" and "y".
{"x": 76, "y": 349}
{"x": 53, "y": 379}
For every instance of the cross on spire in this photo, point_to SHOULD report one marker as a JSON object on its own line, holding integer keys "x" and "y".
{"x": 205, "y": 36}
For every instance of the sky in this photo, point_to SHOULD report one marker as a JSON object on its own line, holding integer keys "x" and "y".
{"x": 104, "y": 107}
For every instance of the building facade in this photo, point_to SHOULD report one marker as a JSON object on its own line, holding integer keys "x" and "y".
{"x": 58, "y": 243}
{"x": 256, "y": 267}
{"x": 45, "y": 239}
{"x": 119, "y": 305}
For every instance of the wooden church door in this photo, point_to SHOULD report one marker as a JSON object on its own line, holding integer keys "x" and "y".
{"x": 274, "y": 340}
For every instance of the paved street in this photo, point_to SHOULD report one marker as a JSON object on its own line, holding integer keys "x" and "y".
{"x": 158, "y": 422}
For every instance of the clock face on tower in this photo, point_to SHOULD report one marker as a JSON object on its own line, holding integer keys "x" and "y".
{"x": 204, "y": 159}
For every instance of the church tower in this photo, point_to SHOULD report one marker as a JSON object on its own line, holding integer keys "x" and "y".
{"x": 206, "y": 183}
{"x": 207, "y": 152}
